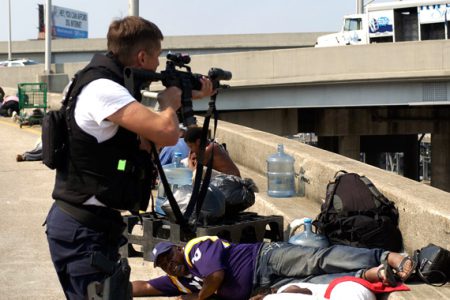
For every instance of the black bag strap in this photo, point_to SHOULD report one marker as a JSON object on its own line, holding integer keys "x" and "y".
{"x": 389, "y": 205}
{"x": 375, "y": 192}
{"x": 423, "y": 276}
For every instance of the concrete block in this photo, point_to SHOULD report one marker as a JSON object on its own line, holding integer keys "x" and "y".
{"x": 55, "y": 82}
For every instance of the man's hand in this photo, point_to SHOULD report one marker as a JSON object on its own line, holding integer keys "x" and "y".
{"x": 170, "y": 97}
{"x": 192, "y": 296}
{"x": 206, "y": 91}
{"x": 211, "y": 284}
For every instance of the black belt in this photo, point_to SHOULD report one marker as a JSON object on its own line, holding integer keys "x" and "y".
{"x": 98, "y": 218}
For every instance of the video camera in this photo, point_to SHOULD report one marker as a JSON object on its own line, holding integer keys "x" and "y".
{"x": 137, "y": 79}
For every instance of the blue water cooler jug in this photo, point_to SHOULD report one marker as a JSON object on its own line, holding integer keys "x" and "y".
{"x": 280, "y": 174}
{"x": 178, "y": 176}
{"x": 307, "y": 238}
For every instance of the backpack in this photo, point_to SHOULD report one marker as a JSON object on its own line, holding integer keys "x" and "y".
{"x": 355, "y": 213}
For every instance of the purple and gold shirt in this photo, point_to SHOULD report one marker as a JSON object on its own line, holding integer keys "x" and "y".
{"x": 174, "y": 286}
{"x": 208, "y": 254}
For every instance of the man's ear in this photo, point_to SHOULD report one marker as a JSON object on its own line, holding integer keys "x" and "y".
{"x": 141, "y": 56}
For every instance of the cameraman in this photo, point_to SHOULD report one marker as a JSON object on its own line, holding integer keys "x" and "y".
{"x": 108, "y": 167}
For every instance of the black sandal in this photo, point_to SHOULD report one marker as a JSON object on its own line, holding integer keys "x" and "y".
{"x": 400, "y": 269}
{"x": 389, "y": 278}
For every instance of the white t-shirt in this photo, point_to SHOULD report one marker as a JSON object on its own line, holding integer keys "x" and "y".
{"x": 347, "y": 290}
{"x": 97, "y": 101}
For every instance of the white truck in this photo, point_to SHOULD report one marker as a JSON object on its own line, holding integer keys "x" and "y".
{"x": 388, "y": 22}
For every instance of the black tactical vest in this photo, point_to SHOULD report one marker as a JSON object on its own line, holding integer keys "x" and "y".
{"x": 115, "y": 171}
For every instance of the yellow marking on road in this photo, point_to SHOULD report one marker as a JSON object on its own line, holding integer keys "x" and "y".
{"x": 33, "y": 130}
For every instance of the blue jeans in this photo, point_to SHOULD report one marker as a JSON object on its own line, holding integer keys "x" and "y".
{"x": 71, "y": 246}
{"x": 278, "y": 261}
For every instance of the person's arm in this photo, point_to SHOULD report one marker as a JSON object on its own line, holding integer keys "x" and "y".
{"x": 161, "y": 128}
{"x": 211, "y": 284}
{"x": 222, "y": 161}
{"x": 143, "y": 288}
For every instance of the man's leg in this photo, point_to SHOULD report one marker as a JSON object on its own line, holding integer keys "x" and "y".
{"x": 296, "y": 261}
{"x": 71, "y": 246}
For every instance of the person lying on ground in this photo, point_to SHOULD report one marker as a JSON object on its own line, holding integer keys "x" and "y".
{"x": 346, "y": 287}
{"x": 32, "y": 155}
{"x": 9, "y": 105}
{"x": 222, "y": 161}
{"x": 214, "y": 266}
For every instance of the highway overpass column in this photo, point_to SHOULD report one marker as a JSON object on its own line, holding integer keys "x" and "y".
{"x": 375, "y": 145}
{"x": 411, "y": 157}
{"x": 440, "y": 157}
{"x": 349, "y": 146}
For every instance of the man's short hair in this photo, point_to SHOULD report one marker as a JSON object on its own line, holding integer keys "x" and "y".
{"x": 131, "y": 34}
{"x": 193, "y": 134}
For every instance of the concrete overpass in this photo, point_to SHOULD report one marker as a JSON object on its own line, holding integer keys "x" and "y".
{"x": 372, "y": 98}
{"x": 81, "y": 50}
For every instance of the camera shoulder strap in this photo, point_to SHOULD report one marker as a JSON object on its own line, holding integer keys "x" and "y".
{"x": 200, "y": 187}
{"x": 199, "y": 192}
{"x": 173, "y": 203}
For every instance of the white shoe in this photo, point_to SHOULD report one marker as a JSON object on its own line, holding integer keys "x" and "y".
{"x": 15, "y": 117}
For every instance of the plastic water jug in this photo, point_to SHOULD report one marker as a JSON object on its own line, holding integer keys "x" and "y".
{"x": 280, "y": 174}
{"x": 178, "y": 176}
{"x": 307, "y": 238}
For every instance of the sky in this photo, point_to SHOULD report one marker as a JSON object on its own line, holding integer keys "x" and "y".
{"x": 192, "y": 17}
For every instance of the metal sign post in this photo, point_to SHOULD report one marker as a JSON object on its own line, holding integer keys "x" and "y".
{"x": 48, "y": 36}
{"x": 9, "y": 38}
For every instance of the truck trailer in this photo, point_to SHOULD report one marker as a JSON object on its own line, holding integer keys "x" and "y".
{"x": 391, "y": 22}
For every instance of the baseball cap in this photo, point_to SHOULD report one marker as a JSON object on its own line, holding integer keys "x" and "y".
{"x": 160, "y": 248}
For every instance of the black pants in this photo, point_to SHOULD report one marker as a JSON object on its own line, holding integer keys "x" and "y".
{"x": 8, "y": 107}
{"x": 281, "y": 260}
{"x": 71, "y": 246}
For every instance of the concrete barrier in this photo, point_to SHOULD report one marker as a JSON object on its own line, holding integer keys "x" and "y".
{"x": 424, "y": 210}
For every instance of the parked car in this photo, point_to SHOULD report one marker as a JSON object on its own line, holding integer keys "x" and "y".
{"x": 18, "y": 62}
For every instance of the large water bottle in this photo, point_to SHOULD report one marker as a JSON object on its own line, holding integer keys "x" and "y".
{"x": 280, "y": 174}
{"x": 179, "y": 178}
{"x": 307, "y": 238}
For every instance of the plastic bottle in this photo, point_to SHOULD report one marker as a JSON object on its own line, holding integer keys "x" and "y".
{"x": 306, "y": 238}
{"x": 280, "y": 174}
{"x": 178, "y": 176}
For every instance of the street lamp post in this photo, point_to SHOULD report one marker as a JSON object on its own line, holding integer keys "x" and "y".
{"x": 48, "y": 36}
{"x": 9, "y": 38}
{"x": 359, "y": 6}
{"x": 133, "y": 7}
